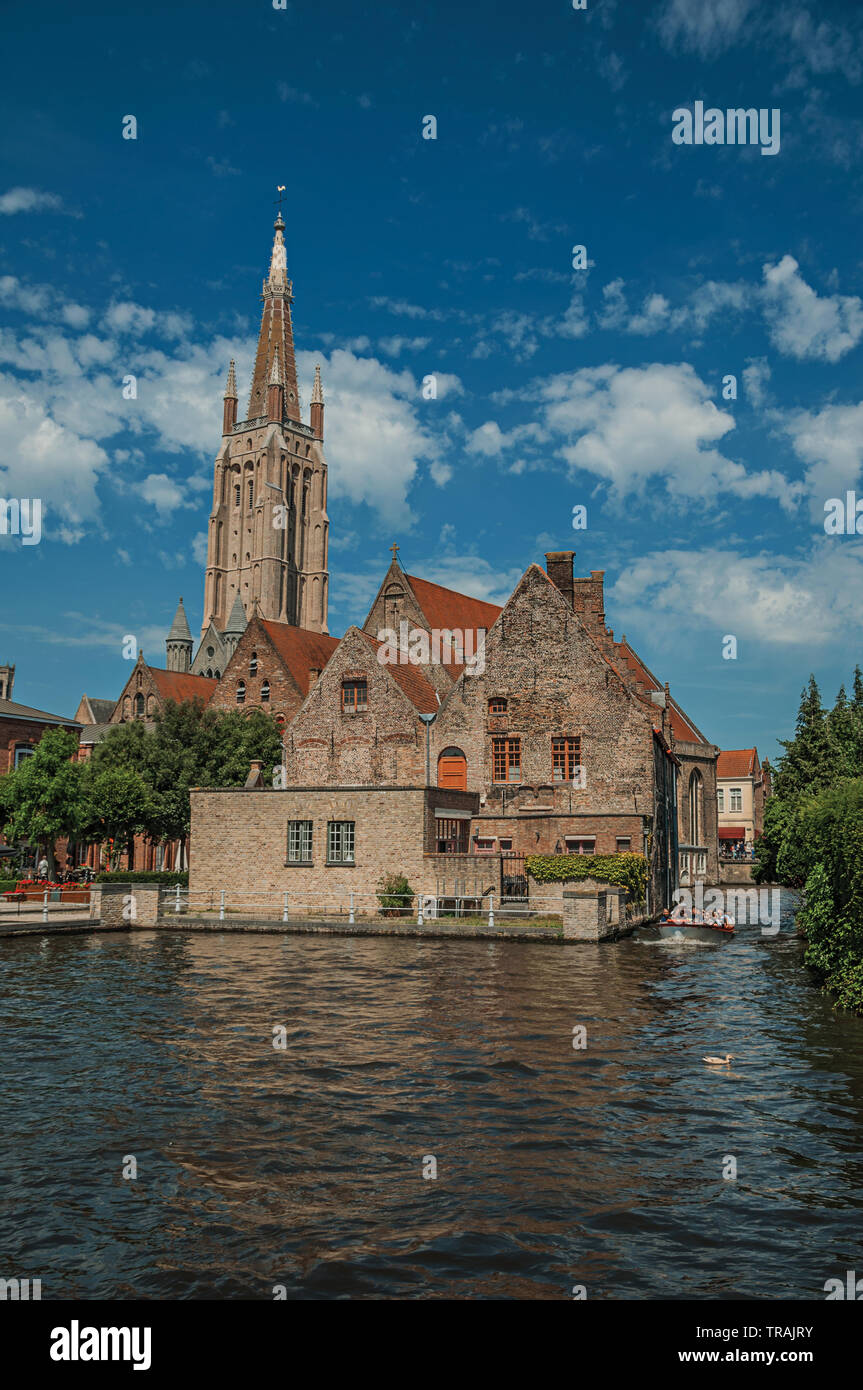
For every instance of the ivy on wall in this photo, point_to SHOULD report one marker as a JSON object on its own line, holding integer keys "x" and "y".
{"x": 629, "y": 870}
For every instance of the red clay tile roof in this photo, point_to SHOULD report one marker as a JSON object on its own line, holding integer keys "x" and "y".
{"x": 180, "y": 685}
{"x": 680, "y": 724}
{"x": 445, "y": 608}
{"x": 300, "y": 650}
{"x": 418, "y": 689}
{"x": 737, "y": 762}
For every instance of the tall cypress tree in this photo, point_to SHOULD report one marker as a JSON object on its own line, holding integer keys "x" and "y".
{"x": 808, "y": 761}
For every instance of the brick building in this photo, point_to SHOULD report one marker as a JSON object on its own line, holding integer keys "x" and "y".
{"x": 149, "y": 688}
{"x": 560, "y": 735}
{"x": 273, "y": 667}
{"x": 742, "y": 788}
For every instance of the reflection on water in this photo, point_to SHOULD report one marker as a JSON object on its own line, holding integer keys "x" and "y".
{"x": 303, "y": 1166}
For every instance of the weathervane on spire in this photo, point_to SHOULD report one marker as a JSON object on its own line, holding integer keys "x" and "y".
{"x": 280, "y": 188}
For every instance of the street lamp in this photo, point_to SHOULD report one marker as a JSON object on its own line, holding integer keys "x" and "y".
{"x": 428, "y": 720}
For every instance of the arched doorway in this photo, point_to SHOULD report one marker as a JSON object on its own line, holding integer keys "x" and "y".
{"x": 452, "y": 769}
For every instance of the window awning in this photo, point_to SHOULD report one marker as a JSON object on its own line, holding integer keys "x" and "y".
{"x": 732, "y": 832}
{"x": 449, "y": 813}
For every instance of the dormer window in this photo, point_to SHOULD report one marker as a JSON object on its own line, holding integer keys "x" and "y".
{"x": 497, "y": 705}
{"x": 355, "y": 696}
{"x": 241, "y": 692}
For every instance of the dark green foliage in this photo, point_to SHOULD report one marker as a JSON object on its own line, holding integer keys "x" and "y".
{"x": 395, "y": 895}
{"x": 813, "y": 836}
{"x": 630, "y": 870}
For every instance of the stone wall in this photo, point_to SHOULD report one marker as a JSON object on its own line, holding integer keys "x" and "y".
{"x": 125, "y": 904}
{"x": 239, "y": 841}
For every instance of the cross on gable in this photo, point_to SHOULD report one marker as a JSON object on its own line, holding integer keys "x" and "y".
{"x": 395, "y": 550}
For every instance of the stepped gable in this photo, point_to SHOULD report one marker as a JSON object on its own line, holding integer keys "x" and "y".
{"x": 411, "y": 680}
{"x": 300, "y": 650}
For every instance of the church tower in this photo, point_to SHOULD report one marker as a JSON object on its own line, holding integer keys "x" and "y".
{"x": 268, "y": 541}
{"x": 179, "y": 644}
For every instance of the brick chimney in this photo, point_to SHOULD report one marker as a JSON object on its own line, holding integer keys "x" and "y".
{"x": 314, "y": 675}
{"x": 558, "y": 565}
{"x": 255, "y": 778}
{"x": 589, "y": 602}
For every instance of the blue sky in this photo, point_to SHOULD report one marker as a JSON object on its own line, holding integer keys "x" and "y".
{"x": 451, "y": 256}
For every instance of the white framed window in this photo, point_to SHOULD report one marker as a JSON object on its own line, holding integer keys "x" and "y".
{"x": 22, "y": 752}
{"x": 340, "y": 842}
{"x": 624, "y": 844}
{"x": 720, "y": 798}
{"x": 736, "y": 795}
{"x": 299, "y": 841}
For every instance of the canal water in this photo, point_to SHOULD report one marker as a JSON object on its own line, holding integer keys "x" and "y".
{"x": 302, "y": 1166}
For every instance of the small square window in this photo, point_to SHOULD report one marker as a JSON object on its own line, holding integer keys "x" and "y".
{"x": 355, "y": 696}
{"x": 624, "y": 844}
{"x": 497, "y": 705}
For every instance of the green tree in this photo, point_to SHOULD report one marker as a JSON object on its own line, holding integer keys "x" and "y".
{"x": 117, "y": 806}
{"x": 808, "y": 761}
{"x": 42, "y": 799}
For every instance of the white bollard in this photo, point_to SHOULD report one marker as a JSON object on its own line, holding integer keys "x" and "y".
{"x": 419, "y": 909}
{"x": 177, "y": 899}
{"x": 351, "y": 910}
{"x": 285, "y": 908}
{"x": 222, "y": 906}
{"x": 491, "y": 908}
{"x": 45, "y": 906}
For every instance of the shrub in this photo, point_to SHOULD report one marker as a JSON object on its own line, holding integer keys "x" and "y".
{"x": 395, "y": 895}
{"x": 7, "y": 884}
{"x": 167, "y": 876}
{"x": 627, "y": 869}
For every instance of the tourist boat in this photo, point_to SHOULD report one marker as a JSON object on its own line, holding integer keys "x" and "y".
{"x": 683, "y": 929}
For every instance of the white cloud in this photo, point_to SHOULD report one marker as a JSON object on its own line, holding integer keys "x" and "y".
{"x": 28, "y": 200}
{"x": 163, "y": 493}
{"x": 395, "y": 345}
{"x": 773, "y": 600}
{"x": 41, "y": 458}
{"x": 830, "y": 442}
{"x": 636, "y": 426}
{"x": 704, "y": 28}
{"x": 804, "y": 324}
{"x": 375, "y": 440}
{"x": 756, "y": 375}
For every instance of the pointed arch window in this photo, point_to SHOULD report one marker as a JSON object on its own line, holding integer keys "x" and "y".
{"x": 139, "y": 706}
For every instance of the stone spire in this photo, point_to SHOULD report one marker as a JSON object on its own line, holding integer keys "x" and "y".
{"x": 237, "y": 622}
{"x": 178, "y": 645}
{"x": 229, "y": 411}
{"x": 316, "y": 411}
{"x": 276, "y": 337}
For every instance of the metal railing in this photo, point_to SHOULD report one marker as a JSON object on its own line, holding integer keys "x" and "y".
{"x": 347, "y": 905}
